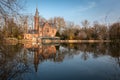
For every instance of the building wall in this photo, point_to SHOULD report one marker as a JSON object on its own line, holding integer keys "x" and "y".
{"x": 30, "y": 36}
{"x": 47, "y": 31}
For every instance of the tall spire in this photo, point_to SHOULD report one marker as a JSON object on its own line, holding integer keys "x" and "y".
{"x": 37, "y": 13}
{"x": 36, "y": 19}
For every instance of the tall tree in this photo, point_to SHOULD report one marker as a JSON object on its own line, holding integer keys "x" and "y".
{"x": 59, "y": 21}
{"x": 114, "y": 31}
{"x": 12, "y": 29}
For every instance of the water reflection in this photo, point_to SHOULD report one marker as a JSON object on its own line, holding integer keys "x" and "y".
{"x": 96, "y": 50}
{"x": 11, "y": 62}
{"x": 23, "y": 61}
{"x": 41, "y": 52}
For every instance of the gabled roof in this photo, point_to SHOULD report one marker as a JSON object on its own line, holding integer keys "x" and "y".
{"x": 42, "y": 24}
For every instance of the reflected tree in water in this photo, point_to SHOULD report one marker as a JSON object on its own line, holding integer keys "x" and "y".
{"x": 114, "y": 51}
{"x": 11, "y": 62}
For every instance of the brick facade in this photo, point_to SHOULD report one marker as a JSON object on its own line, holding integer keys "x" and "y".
{"x": 41, "y": 29}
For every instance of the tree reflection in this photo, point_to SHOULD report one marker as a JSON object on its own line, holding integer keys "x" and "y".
{"x": 96, "y": 49}
{"x": 17, "y": 60}
{"x": 114, "y": 51}
{"x": 11, "y": 63}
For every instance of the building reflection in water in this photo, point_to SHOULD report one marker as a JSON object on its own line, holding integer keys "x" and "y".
{"x": 41, "y": 52}
{"x": 19, "y": 62}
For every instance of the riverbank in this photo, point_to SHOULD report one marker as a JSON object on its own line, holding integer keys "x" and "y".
{"x": 23, "y": 41}
{"x": 83, "y": 41}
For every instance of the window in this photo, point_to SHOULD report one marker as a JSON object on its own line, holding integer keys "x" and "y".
{"x": 47, "y": 29}
{"x": 52, "y": 31}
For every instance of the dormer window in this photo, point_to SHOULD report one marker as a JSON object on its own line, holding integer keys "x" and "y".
{"x": 47, "y": 29}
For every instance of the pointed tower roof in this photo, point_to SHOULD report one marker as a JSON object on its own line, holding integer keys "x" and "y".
{"x": 37, "y": 13}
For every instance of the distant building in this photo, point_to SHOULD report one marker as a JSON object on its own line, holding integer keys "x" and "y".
{"x": 41, "y": 29}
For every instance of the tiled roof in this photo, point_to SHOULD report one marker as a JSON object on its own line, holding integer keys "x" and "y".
{"x": 33, "y": 31}
{"x": 51, "y": 24}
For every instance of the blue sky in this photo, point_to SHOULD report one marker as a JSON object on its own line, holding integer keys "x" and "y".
{"x": 76, "y": 10}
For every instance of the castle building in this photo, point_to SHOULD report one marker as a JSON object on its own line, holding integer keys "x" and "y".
{"x": 41, "y": 29}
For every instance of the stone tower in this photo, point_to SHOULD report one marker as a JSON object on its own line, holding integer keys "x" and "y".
{"x": 36, "y": 20}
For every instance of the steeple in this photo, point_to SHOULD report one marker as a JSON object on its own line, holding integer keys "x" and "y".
{"x": 37, "y": 13}
{"x": 36, "y": 19}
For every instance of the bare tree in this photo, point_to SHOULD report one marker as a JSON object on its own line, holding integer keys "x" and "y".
{"x": 60, "y": 23}
{"x": 114, "y": 31}
{"x": 10, "y": 6}
{"x": 85, "y": 24}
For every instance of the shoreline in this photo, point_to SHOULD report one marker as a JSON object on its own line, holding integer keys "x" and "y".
{"x": 83, "y": 41}
{"x": 23, "y": 41}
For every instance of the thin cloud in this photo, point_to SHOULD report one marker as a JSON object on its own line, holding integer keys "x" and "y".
{"x": 86, "y": 7}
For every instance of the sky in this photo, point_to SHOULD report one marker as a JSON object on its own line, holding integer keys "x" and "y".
{"x": 103, "y": 11}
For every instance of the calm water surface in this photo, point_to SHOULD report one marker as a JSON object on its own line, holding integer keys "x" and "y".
{"x": 60, "y": 62}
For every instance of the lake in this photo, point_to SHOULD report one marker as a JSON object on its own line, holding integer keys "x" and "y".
{"x": 82, "y": 61}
